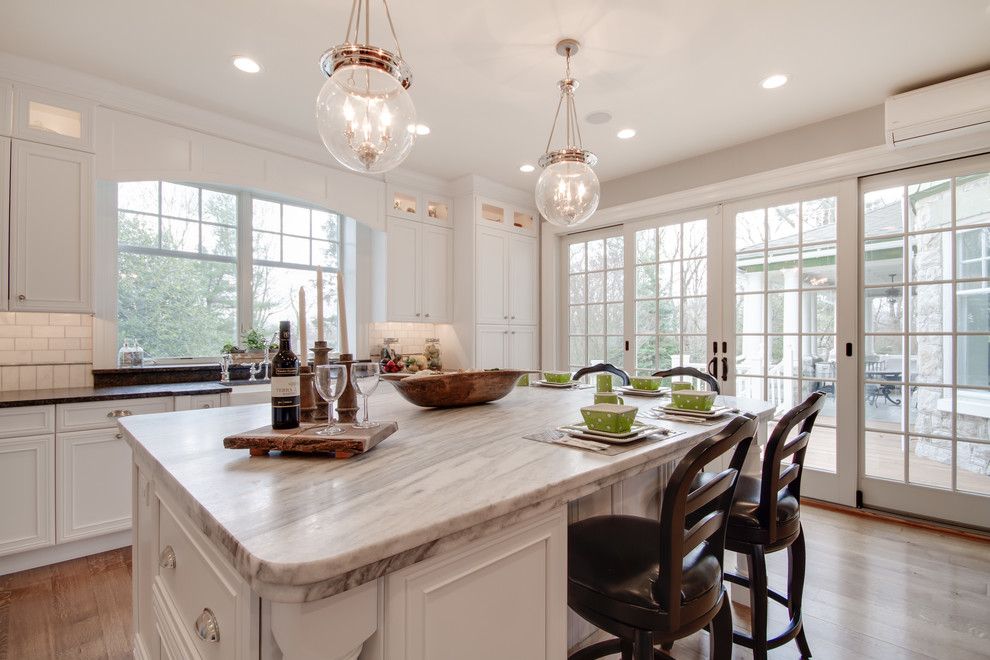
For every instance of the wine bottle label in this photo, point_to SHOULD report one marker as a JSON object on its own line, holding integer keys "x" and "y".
{"x": 285, "y": 387}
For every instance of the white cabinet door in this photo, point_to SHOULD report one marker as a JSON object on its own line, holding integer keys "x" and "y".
{"x": 491, "y": 265}
{"x": 94, "y": 477}
{"x": 437, "y": 262}
{"x": 522, "y": 347}
{"x": 51, "y": 213}
{"x": 504, "y": 596}
{"x": 492, "y": 347}
{"x": 27, "y": 485}
{"x": 4, "y": 215}
{"x": 524, "y": 280}
{"x": 403, "y": 270}
{"x": 145, "y": 558}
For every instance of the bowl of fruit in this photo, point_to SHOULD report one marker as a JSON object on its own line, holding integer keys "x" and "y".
{"x": 454, "y": 389}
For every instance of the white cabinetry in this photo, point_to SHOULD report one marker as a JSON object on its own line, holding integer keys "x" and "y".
{"x": 51, "y": 200}
{"x": 27, "y": 478}
{"x": 94, "y": 475}
{"x": 4, "y": 216}
{"x": 497, "y": 284}
{"x": 420, "y": 262}
{"x": 504, "y": 597}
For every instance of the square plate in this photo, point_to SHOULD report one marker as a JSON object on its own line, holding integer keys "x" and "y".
{"x": 641, "y": 431}
{"x": 716, "y": 411}
{"x": 546, "y": 383}
{"x": 628, "y": 389}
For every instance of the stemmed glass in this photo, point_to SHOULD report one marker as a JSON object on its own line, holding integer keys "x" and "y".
{"x": 330, "y": 381}
{"x": 365, "y": 376}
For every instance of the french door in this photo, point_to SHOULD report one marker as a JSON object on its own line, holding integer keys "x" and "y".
{"x": 788, "y": 318}
{"x": 925, "y": 394}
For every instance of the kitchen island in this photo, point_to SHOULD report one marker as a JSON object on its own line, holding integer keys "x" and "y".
{"x": 451, "y": 531}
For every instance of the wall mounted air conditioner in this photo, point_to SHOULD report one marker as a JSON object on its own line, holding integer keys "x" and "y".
{"x": 938, "y": 111}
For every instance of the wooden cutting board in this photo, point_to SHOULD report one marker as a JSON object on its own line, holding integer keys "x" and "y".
{"x": 352, "y": 441}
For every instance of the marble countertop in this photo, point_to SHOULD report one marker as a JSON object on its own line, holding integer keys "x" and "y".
{"x": 303, "y": 528}
{"x": 77, "y": 394}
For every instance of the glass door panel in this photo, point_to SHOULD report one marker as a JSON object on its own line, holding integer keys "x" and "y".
{"x": 785, "y": 310}
{"x": 595, "y": 291}
{"x": 671, "y": 293}
{"x": 926, "y": 341}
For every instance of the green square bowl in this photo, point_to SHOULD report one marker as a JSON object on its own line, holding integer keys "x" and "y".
{"x": 651, "y": 383}
{"x": 557, "y": 376}
{"x": 609, "y": 417}
{"x": 693, "y": 400}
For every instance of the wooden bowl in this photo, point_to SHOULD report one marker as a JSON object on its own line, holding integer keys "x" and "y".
{"x": 466, "y": 388}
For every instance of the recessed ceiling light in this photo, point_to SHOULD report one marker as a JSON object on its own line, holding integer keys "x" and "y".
{"x": 774, "y": 81}
{"x": 246, "y": 64}
{"x": 600, "y": 117}
{"x": 526, "y": 169}
{"x": 626, "y": 133}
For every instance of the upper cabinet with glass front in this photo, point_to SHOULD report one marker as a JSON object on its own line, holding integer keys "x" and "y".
{"x": 416, "y": 205}
{"x": 505, "y": 216}
{"x": 50, "y": 118}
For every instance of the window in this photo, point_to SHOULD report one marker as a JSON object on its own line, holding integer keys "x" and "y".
{"x": 179, "y": 263}
{"x": 595, "y": 292}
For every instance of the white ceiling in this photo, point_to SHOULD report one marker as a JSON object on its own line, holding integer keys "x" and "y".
{"x": 685, "y": 74}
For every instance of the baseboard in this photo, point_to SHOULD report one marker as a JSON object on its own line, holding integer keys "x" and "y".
{"x": 64, "y": 552}
{"x": 900, "y": 519}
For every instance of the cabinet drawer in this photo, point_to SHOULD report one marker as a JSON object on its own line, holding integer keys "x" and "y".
{"x": 104, "y": 414}
{"x": 196, "y": 583}
{"x": 204, "y": 401}
{"x": 29, "y": 420}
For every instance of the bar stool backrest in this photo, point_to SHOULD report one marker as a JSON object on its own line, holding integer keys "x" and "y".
{"x": 680, "y": 500}
{"x": 710, "y": 380}
{"x": 601, "y": 367}
{"x": 777, "y": 476}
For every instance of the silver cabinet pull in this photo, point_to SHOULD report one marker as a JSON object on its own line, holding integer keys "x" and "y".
{"x": 206, "y": 405}
{"x": 512, "y": 317}
{"x": 427, "y": 316}
{"x": 505, "y": 317}
{"x": 207, "y": 626}
{"x": 119, "y": 413}
{"x": 22, "y": 297}
{"x": 417, "y": 313}
{"x": 167, "y": 558}
{"x": 119, "y": 436}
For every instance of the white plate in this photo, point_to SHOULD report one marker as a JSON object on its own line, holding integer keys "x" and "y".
{"x": 717, "y": 411}
{"x": 581, "y": 427}
{"x": 645, "y": 432}
{"x": 546, "y": 383}
{"x": 627, "y": 389}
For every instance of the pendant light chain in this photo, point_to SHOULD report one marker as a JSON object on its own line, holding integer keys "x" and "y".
{"x": 354, "y": 25}
{"x": 572, "y": 127}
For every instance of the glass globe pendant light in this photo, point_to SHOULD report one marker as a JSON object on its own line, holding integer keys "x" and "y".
{"x": 567, "y": 191}
{"x": 364, "y": 114}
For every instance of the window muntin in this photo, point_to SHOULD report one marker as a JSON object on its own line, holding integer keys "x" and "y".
{"x": 179, "y": 259}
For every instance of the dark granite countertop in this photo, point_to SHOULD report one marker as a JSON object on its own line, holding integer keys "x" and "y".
{"x": 78, "y": 394}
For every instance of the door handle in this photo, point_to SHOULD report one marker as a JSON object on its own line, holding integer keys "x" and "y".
{"x": 725, "y": 368}
{"x": 713, "y": 367}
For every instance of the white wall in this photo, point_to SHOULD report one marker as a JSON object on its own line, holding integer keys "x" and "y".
{"x": 846, "y": 133}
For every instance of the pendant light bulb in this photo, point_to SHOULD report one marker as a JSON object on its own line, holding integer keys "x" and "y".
{"x": 364, "y": 107}
{"x": 568, "y": 190}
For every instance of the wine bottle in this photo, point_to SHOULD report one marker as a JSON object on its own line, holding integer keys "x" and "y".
{"x": 286, "y": 401}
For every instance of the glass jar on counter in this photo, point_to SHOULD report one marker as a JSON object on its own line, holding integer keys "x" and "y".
{"x": 431, "y": 349}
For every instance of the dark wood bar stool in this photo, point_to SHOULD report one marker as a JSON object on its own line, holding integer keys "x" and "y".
{"x": 601, "y": 367}
{"x": 765, "y": 518}
{"x": 649, "y": 582}
{"x": 710, "y": 380}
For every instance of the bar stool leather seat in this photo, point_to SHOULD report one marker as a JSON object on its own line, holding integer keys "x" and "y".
{"x": 614, "y": 561}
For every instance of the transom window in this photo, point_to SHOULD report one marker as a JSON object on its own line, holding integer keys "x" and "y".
{"x": 188, "y": 286}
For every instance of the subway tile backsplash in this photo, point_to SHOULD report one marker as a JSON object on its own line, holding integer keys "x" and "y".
{"x": 411, "y": 336}
{"x": 42, "y": 351}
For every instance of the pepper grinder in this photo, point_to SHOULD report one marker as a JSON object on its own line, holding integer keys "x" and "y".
{"x": 321, "y": 355}
{"x": 347, "y": 406}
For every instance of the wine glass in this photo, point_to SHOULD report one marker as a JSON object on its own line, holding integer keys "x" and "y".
{"x": 365, "y": 376}
{"x": 330, "y": 381}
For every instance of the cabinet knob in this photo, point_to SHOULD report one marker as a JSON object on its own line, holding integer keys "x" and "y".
{"x": 119, "y": 436}
{"x": 505, "y": 332}
{"x": 513, "y": 332}
{"x": 417, "y": 313}
{"x": 505, "y": 317}
{"x": 22, "y": 297}
{"x": 427, "y": 315}
{"x": 167, "y": 558}
{"x": 119, "y": 413}
{"x": 206, "y": 405}
{"x": 207, "y": 626}
{"x": 512, "y": 317}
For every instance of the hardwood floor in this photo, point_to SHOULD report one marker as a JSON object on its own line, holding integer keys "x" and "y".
{"x": 874, "y": 589}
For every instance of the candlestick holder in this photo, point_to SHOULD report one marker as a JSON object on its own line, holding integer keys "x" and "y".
{"x": 347, "y": 406}
{"x": 307, "y": 395}
{"x": 321, "y": 355}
